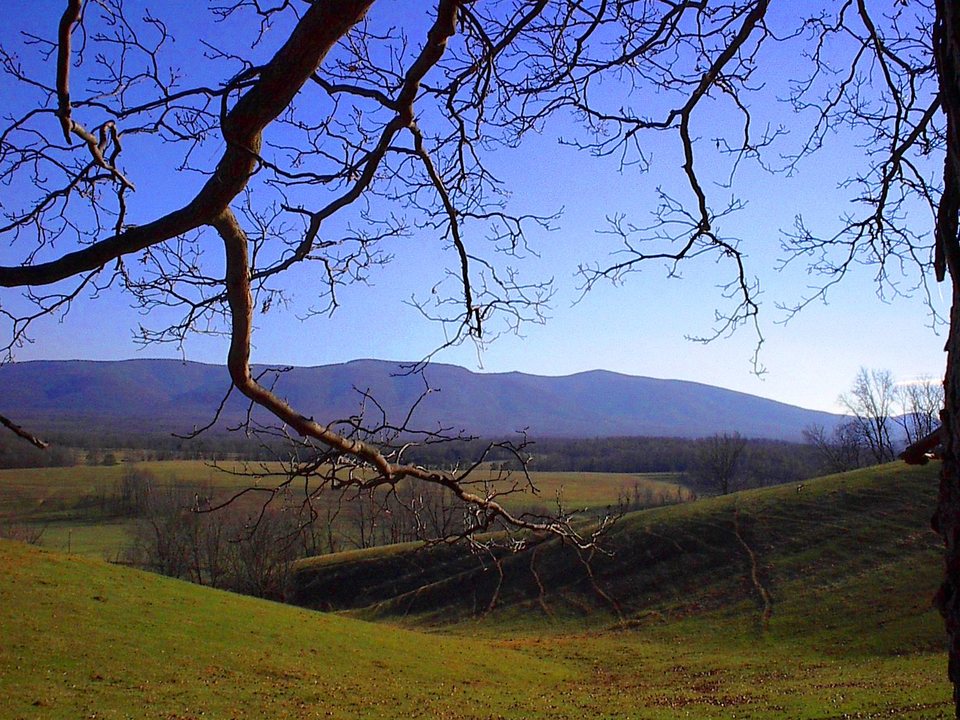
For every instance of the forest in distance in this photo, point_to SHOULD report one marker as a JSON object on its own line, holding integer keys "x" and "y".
{"x": 765, "y": 462}
{"x": 881, "y": 418}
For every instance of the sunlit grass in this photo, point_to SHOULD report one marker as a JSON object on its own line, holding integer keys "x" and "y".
{"x": 848, "y": 562}
{"x": 82, "y": 638}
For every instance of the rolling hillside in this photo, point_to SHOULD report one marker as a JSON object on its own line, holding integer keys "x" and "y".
{"x": 863, "y": 535}
{"x": 85, "y": 639}
{"x": 848, "y": 564}
{"x": 168, "y": 395}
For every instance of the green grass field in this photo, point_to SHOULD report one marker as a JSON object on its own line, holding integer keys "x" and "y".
{"x": 848, "y": 564}
{"x": 65, "y": 504}
{"x": 33, "y": 488}
{"x": 85, "y": 639}
{"x": 82, "y": 638}
{"x": 594, "y": 489}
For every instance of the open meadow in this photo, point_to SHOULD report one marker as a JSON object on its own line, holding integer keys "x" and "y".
{"x": 675, "y": 624}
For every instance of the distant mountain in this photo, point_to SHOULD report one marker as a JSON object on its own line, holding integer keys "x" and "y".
{"x": 169, "y": 395}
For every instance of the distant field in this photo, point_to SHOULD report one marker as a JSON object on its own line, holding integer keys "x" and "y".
{"x": 51, "y": 493}
{"x": 592, "y": 489}
{"x": 65, "y": 502}
{"x": 57, "y": 485}
{"x": 103, "y": 539}
{"x": 44, "y": 486}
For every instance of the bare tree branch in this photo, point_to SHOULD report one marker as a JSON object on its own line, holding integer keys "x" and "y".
{"x": 20, "y": 432}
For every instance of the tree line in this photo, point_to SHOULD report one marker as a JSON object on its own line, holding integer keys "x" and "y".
{"x": 759, "y": 463}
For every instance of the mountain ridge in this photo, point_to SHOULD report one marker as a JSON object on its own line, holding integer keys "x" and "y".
{"x": 594, "y": 403}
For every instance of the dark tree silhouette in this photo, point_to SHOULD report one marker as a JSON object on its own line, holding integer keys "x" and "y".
{"x": 719, "y": 459}
{"x": 312, "y": 133}
{"x": 840, "y": 450}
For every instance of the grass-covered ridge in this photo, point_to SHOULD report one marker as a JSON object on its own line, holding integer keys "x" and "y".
{"x": 766, "y": 554}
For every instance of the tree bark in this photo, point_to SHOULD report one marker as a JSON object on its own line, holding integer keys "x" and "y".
{"x": 946, "y": 521}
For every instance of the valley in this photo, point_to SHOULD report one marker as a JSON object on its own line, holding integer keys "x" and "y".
{"x": 847, "y": 562}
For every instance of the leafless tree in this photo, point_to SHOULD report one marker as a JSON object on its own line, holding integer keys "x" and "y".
{"x": 719, "y": 459}
{"x": 314, "y": 133}
{"x": 345, "y": 116}
{"x": 244, "y": 548}
{"x": 871, "y": 403}
{"x": 167, "y": 539}
{"x": 10, "y": 529}
{"x": 132, "y": 491}
{"x": 885, "y": 415}
{"x": 840, "y": 450}
{"x": 919, "y": 405}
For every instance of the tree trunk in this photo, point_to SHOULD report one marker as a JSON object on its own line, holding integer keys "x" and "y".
{"x": 946, "y": 521}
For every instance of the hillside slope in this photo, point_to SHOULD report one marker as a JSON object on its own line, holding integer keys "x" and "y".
{"x": 851, "y": 635}
{"x": 770, "y": 555}
{"x": 167, "y": 395}
{"x": 85, "y": 639}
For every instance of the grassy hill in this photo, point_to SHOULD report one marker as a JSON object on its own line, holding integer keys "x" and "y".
{"x": 858, "y": 544}
{"x": 85, "y": 639}
{"x": 847, "y": 562}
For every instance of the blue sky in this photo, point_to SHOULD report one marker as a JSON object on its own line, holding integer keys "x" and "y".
{"x": 638, "y": 328}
